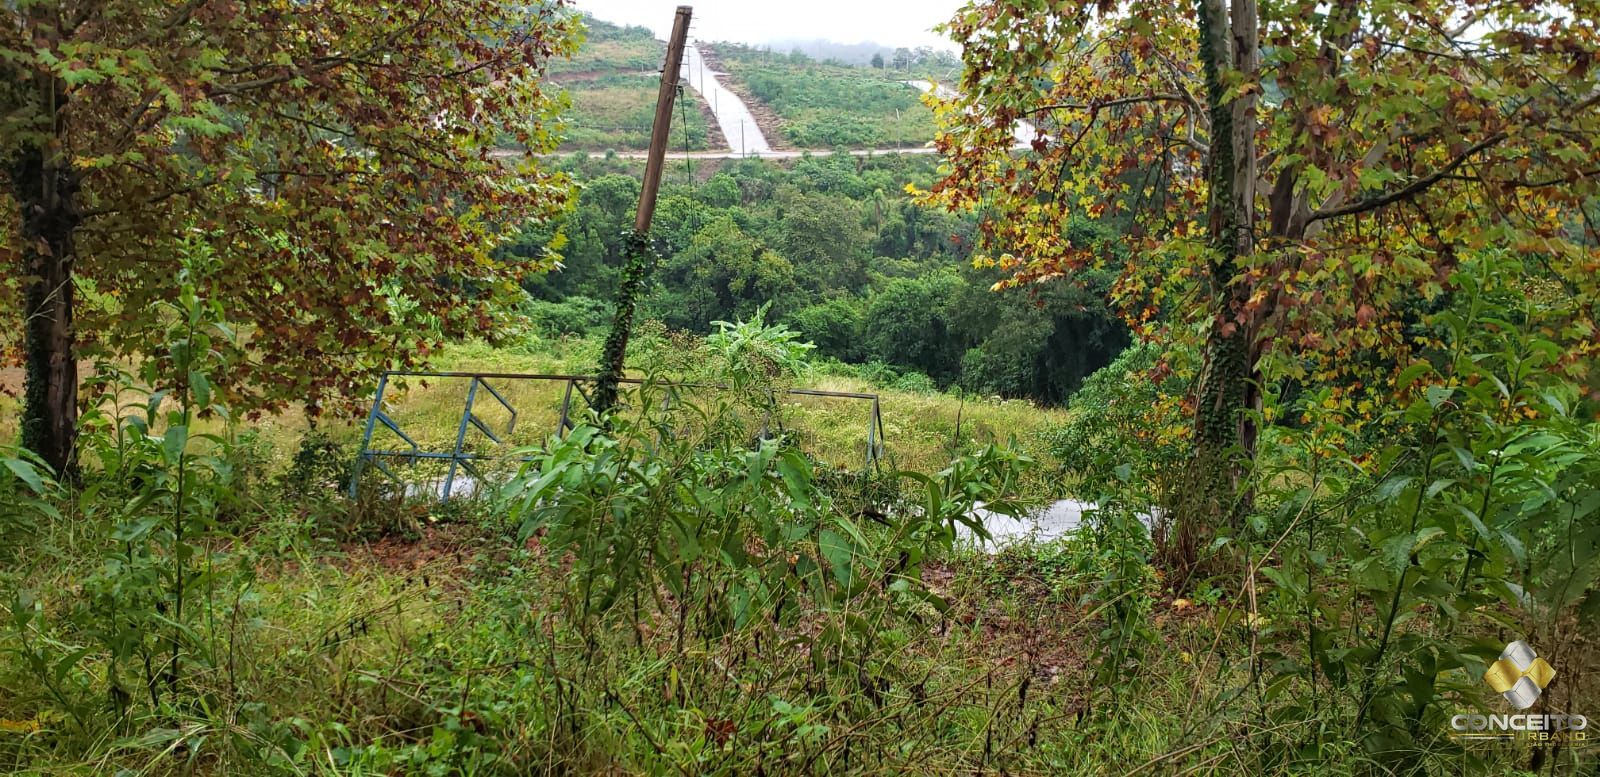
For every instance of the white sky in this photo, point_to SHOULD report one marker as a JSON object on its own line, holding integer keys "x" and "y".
{"x": 887, "y": 22}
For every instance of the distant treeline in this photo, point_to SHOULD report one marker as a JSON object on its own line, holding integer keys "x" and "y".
{"x": 865, "y": 54}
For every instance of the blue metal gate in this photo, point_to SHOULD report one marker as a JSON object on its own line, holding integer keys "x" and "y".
{"x": 462, "y": 458}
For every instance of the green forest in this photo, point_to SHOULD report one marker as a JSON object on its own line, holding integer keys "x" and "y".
{"x": 831, "y": 248}
{"x": 1199, "y": 389}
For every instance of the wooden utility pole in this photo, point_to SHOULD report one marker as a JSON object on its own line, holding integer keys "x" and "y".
{"x": 641, "y": 257}
{"x": 660, "y": 130}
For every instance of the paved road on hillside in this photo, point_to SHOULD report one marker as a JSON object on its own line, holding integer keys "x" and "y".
{"x": 738, "y": 124}
{"x": 744, "y": 137}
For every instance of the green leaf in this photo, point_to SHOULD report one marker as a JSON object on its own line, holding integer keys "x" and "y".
{"x": 26, "y": 473}
{"x": 201, "y": 388}
{"x": 1392, "y": 487}
{"x": 840, "y": 553}
{"x": 796, "y": 474}
{"x": 67, "y": 662}
{"x": 174, "y": 443}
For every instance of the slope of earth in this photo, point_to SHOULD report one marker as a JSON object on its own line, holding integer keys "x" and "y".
{"x": 612, "y": 83}
{"x": 819, "y": 105}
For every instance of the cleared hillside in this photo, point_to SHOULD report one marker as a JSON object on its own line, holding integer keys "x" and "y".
{"x": 824, "y": 105}
{"x": 611, "y": 84}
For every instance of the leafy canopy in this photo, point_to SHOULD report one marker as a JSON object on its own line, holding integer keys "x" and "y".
{"x": 1392, "y": 139}
{"x": 335, "y": 154}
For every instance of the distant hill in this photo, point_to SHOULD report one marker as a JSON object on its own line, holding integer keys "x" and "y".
{"x": 805, "y": 94}
{"x": 827, "y": 50}
{"x": 612, "y": 48}
{"x": 862, "y": 54}
{"x": 827, "y": 104}
{"x": 612, "y": 83}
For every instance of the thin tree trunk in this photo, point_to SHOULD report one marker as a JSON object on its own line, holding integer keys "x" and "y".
{"x": 1224, "y": 432}
{"x": 46, "y": 190}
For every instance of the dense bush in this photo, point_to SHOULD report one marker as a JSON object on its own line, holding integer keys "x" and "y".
{"x": 909, "y": 323}
{"x": 145, "y": 617}
{"x": 1125, "y": 429}
{"x": 834, "y": 326}
{"x": 1413, "y": 541}
{"x": 575, "y": 315}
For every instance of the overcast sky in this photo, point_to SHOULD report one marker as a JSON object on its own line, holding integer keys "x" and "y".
{"x": 887, "y": 22}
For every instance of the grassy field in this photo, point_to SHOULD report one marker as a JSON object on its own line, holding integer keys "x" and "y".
{"x": 919, "y": 430}
{"x": 823, "y": 106}
{"x": 325, "y": 636}
{"x": 608, "y": 48}
{"x": 615, "y": 112}
{"x": 442, "y": 652}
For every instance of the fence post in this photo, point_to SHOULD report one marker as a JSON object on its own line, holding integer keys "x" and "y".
{"x": 874, "y": 425}
{"x": 566, "y": 410}
{"x": 366, "y": 436}
{"x": 461, "y": 439}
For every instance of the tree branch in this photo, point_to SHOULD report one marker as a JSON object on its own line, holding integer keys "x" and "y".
{"x": 1409, "y": 190}
{"x": 1144, "y": 98}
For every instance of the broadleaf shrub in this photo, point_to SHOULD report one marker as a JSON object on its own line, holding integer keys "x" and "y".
{"x": 1125, "y": 432}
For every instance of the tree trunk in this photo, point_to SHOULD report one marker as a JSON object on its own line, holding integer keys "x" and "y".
{"x": 46, "y": 190}
{"x": 1224, "y": 434}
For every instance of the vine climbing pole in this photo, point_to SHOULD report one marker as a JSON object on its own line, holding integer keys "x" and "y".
{"x": 641, "y": 259}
